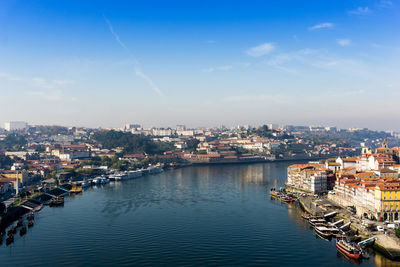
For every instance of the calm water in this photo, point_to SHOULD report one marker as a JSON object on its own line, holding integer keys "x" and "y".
{"x": 198, "y": 216}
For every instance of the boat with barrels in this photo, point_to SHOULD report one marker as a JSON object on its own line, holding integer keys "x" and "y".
{"x": 348, "y": 249}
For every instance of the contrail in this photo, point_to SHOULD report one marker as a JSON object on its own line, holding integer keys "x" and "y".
{"x": 149, "y": 81}
{"x": 116, "y": 36}
{"x": 138, "y": 70}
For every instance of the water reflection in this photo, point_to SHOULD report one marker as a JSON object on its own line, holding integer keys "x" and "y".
{"x": 196, "y": 216}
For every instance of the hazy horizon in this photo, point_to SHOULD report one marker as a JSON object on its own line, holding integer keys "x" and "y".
{"x": 201, "y": 63}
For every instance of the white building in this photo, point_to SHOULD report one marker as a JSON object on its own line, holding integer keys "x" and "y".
{"x": 185, "y": 132}
{"x": 15, "y": 125}
{"x": 318, "y": 182}
{"x": 162, "y": 132}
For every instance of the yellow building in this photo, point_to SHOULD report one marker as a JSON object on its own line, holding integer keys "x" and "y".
{"x": 387, "y": 200}
{"x": 10, "y": 176}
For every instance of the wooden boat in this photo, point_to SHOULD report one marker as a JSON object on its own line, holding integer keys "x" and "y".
{"x": 22, "y": 231}
{"x": 335, "y": 232}
{"x": 348, "y": 250}
{"x": 286, "y": 199}
{"x": 320, "y": 224}
{"x": 10, "y": 239}
{"x": 323, "y": 232}
{"x": 12, "y": 231}
{"x": 366, "y": 243}
{"x": 316, "y": 221}
{"x": 305, "y": 216}
{"x": 19, "y": 223}
{"x": 31, "y": 217}
{"x": 76, "y": 189}
{"x": 275, "y": 194}
{"x": 56, "y": 201}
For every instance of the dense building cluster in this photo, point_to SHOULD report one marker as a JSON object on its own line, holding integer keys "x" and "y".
{"x": 33, "y": 157}
{"x": 369, "y": 182}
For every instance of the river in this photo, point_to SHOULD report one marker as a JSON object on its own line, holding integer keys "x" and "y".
{"x": 218, "y": 215}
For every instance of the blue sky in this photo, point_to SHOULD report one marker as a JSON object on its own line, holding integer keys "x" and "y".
{"x": 201, "y": 63}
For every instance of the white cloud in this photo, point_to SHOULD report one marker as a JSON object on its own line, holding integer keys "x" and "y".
{"x": 385, "y": 3}
{"x": 211, "y": 41}
{"x": 9, "y": 77}
{"x": 260, "y": 50}
{"x": 325, "y": 25}
{"x": 344, "y": 42}
{"x": 226, "y": 67}
{"x": 208, "y": 70}
{"x": 63, "y": 82}
{"x": 361, "y": 11}
{"x": 50, "y": 95}
{"x": 223, "y": 68}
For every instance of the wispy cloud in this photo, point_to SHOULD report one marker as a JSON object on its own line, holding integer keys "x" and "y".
{"x": 344, "y": 42}
{"x": 325, "y": 25}
{"x": 260, "y": 50}
{"x": 138, "y": 69}
{"x": 211, "y": 41}
{"x": 226, "y": 67}
{"x": 10, "y": 77}
{"x": 385, "y": 3}
{"x": 149, "y": 81}
{"x": 50, "y": 95}
{"x": 361, "y": 11}
{"x": 208, "y": 70}
{"x": 223, "y": 68}
{"x": 50, "y": 90}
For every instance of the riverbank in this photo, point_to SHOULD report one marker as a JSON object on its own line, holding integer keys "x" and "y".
{"x": 255, "y": 161}
{"x": 386, "y": 243}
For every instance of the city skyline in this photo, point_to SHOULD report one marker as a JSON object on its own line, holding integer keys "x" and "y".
{"x": 200, "y": 63}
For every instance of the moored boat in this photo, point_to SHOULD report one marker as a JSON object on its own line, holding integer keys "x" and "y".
{"x": 10, "y": 239}
{"x": 86, "y": 184}
{"x": 275, "y": 194}
{"x": 76, "y": 189}
{"x": 305, "y": 216}
{"x": 12, "y": 230}
{"x": 366, "y": 243}
{"x": 97, "y": 180}
{"x": 313, "y": 222}
{"x": 326, "y": 231}
{"x": 56, "y": 201}
{"x": 31, "y": 217}
{"x": 348, "y": 249}
{"x": 22, "y": 231}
